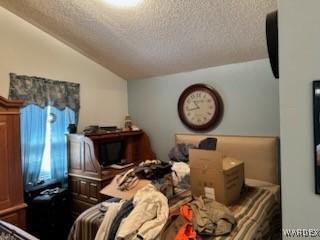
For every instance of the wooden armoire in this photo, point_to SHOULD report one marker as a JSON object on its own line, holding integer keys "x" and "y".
{"x": 12, "y": 207}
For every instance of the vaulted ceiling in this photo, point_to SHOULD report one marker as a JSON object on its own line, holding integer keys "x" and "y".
{"x": 156, "y": 37}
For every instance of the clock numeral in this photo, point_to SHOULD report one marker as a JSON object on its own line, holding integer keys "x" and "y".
{"x": 198, "y": 106}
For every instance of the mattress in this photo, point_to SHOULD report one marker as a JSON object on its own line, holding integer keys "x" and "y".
{"x": 257, "y": 214}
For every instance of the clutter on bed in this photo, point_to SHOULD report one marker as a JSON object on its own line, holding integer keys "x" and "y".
{"x": 201, "y": 217}
{"x": 255, "y": 214}
{"x": 165, "y": 185}
{"x": 112, "y": 189}
{"x": 126, "y": 184}
{"x": 216, "y": 177}
{"x": 180, "y": 152}
{"x": 153, "y": 169}
{"x": 127, "y": 180}
{"x": 259, "y": 154}
{"x": 142, "y": 217}
{"x": 262, "y": 223}
{"x": 148, "y": 216}
{"x": 181, "y": 175}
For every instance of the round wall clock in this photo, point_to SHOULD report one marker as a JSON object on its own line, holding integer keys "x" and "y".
{"x": 200, "y": 107}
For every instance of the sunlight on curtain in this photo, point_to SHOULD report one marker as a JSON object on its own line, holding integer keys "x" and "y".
{"x": 33, "y": 134}
{"x": 44, "y": 142}
{"x": 59, "y": 129}
{"x": 45, "y": 172}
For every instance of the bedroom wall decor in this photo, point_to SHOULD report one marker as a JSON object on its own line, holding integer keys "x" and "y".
{"x": 200, "y": 107}
{"x": 44, "y": 92}
{"x": 316, "y": 130}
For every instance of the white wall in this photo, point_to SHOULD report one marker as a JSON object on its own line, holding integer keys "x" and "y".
{"x": 26, "y": 50}
{"x": 299, "y": 44}
{"x": 249, "y": 92}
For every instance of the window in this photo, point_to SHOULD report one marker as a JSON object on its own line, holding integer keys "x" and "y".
{"x": 45, "y": 171}
{"x": 50, "y": 106}
{"x": 44, "y": 145}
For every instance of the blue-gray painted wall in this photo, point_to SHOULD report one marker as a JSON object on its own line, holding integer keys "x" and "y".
{"x": 249, "y": 91}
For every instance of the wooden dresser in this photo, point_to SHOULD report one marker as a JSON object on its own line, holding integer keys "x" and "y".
{"x": 86, "y": 175}
{"x": 12, "y": 207}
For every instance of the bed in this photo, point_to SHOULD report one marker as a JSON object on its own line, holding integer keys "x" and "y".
{"x": 257, "y": 212}
{"x": 11, "y": 232}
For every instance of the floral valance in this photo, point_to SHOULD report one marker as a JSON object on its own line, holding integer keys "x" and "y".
{"x": 44, "y": 92}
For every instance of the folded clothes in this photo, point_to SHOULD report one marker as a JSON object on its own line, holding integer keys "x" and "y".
{"x": 211, "y": 217}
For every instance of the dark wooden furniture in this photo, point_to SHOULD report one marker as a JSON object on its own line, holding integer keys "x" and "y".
{"x": 86, "y": 175}
{"x": 12, "y": 207}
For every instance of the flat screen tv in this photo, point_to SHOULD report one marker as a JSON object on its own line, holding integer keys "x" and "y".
{"x": 110, "y": 152}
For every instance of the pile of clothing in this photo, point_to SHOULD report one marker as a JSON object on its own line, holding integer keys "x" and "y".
{"x": 200, "y": 218}
{"x": 154, "y": 170}
{"x": 180, "y": 152}
{"x": 179, "y": 155}
{"x": 142, "y": 217}
{"x": 146, "y": 217}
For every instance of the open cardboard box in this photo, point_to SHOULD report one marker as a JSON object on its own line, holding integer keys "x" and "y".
{"x": 214, "y": 176}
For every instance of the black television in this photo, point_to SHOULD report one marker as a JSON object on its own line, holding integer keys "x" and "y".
{"x": 110, "y": 152}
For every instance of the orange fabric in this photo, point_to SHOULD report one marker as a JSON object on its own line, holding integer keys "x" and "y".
{"x": 186, "y": 232}
{"x": 186, "y": 212}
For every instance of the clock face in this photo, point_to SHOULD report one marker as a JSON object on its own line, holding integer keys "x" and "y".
{"x": 199, "y": 107}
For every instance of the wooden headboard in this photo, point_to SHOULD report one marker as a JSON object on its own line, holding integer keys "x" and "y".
{"x": 259, "y": 154}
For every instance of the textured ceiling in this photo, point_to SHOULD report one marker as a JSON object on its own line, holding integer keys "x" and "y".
{"x": 158, "y": 36}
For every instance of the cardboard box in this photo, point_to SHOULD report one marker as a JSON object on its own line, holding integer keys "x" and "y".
{"x": 214, "y": 176}
{"x": 164, "y": 185}
{"x": 113, "y": 191}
